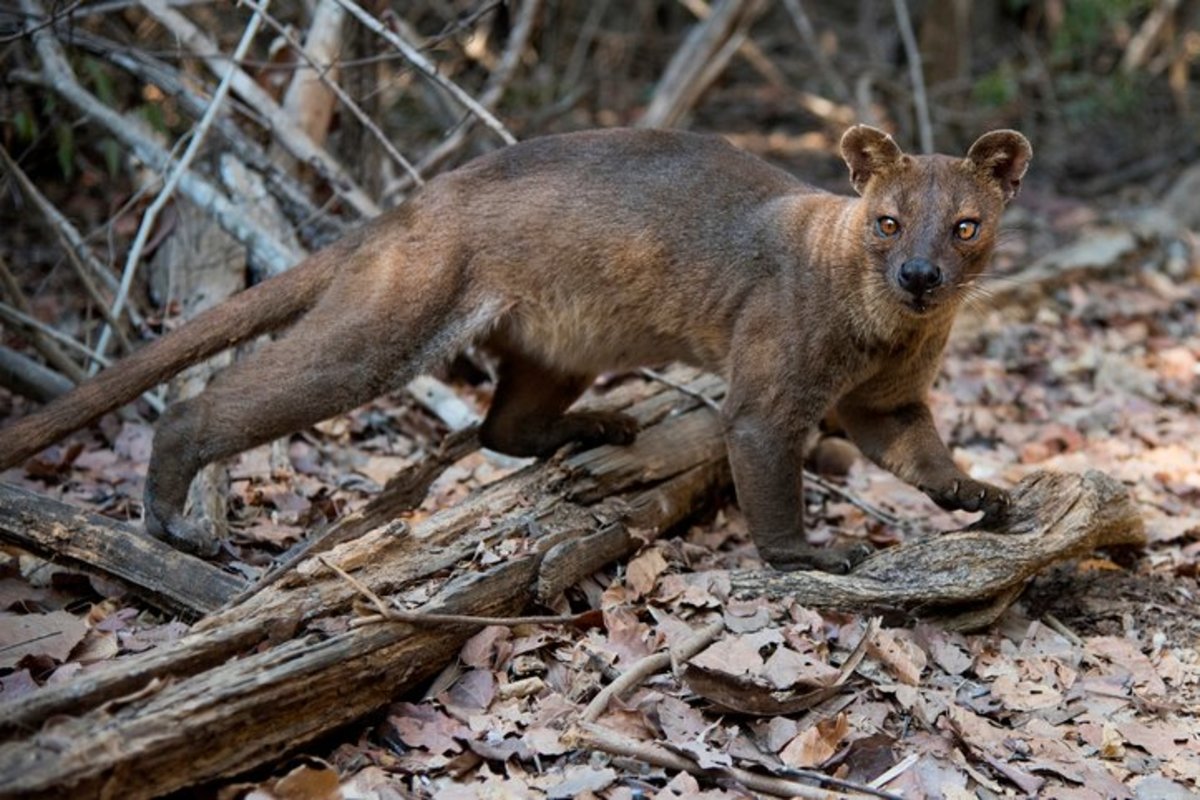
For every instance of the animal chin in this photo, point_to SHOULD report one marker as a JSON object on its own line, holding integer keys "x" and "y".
{"x": 912, "y": 304}
{"x": 919, "y": 305}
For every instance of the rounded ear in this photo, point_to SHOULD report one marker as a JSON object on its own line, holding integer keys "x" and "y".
{"x": 1002, "y": 156}
{"x": 868, "y": 151}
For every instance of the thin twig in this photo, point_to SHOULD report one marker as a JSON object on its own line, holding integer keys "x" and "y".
{"x": 44, "y": 23}
{"x": 72, "y": 244}
{"x": 346, "y": 100}
{"x": 862, "y": 505}
{"x": 294, "y": 197}
{"x": 808, "y": 33}
{"x": 655, "y": 375}
{"x": 16, "y": 317}
{"x": 650, "y": 665}
{"x": 497, "y": 83}
{"x": 43, "y": 337}
{"x": 389, "y": 613}
{"x": 427, "y": 69}
{"x": 599, "y": 737}
{"x": 913, "y": 55}
{"x": 266, "y": 252}
{"x": 180, "y": 167}
{"x": 895, "y": 771}
{"x": 1060, "y": 627}
{"x": 817, "y": 481}
{"x": 298, "y": 143}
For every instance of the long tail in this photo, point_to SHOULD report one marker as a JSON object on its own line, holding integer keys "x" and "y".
{"x": 263, "y": 308}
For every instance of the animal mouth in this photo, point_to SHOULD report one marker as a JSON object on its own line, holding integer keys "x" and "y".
{"x": 918, "y": 305}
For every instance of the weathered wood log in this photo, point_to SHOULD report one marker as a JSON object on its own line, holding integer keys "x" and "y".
{"x": 154, "y": 571}
{"x": 1055, "y": 516}
{"x": 294, "y": 683}
{"x": 131, "y": 728}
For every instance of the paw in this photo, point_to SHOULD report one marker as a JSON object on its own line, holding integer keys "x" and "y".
{"x": 594, "y": 428}
{"x": 190, "y": 536}
{"x": 836, "y": 560}
{"x": 965, "y": 494}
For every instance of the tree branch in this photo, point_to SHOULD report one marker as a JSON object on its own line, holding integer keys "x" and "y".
{"x": 172, "y": 181}
{"x": 295, "y": 141}
{"x": 427, "y": 69}
{"x": 265, "y": 251}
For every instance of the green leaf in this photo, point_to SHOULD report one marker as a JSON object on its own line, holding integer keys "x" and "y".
{"x": 64, "y": 137}
{"x": 153, "y": 114}
{"x": 112, "y": 155}
{"x": 26, "y": 125}
{"x": 101, "y": 79}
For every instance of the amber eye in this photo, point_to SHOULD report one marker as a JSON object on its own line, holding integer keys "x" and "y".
{"x": 966, "y": 229}
{"x": 887, "y": 227}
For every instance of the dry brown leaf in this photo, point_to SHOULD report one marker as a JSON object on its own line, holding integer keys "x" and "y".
{"x": 739, "y": 655}
{"x": 579, "y": 779}
{"x": 899, "y": 654}
{"x": 817, "y": 744}
{"x": 629, "y": 639}
{"x": 787, "y": 669}
{"x": 643, "y": 571}
{"x": 473, "y": 692}
{"x": 96, "y": 646}
{"x": 308, "y": 782}
{"x": 1025, "y": 695}
{"x": 1125, "y": 654}
{"x": 949, "y": 650}
{"x": 481, "y": 651}
{"x": 51, "y": 635}
{"x": 420, "y": 725}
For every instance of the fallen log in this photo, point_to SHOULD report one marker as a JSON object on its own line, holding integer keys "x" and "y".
{"x": 157, "y": 573}
{"x": 1055, "y": 517}
{"x": 132, "y": 729}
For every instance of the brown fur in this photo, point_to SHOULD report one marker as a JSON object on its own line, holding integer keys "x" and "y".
{"x": 576, "y": 254}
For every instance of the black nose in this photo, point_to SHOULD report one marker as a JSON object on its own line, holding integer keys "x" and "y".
{"x": 918, "y": 275}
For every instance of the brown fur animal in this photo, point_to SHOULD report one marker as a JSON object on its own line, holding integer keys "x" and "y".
{"x": 572, "y": 255}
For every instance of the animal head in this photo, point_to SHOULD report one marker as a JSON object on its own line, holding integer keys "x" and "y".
{"x": 929, "y": 223}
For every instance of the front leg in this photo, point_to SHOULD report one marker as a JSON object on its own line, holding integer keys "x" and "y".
{"x": 765, "y": 454}
{"x": 904, "y": 441}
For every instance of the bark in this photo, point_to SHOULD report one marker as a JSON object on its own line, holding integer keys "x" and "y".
{"x": 559, "y": 521}
{"x": 293, "y": 683}
{"x": 1055, "y": 517}
{"x": 698, "y": 62}
{"x": 30, "y": 379}
{"x": 161, "y": 575}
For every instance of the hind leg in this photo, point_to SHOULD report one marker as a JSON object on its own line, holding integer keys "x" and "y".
{"x": 272, "y": 393}
{"x": 324, "y": 366}
{"x": 528, "y": 413}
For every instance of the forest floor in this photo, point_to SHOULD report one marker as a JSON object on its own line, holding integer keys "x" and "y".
{"x": 1089, "y": 687}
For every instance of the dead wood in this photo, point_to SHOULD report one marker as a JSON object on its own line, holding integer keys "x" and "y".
{"x": 295, "y": 140}
{"x": 135, "y": 723}
{"x": 266, "y": 251}
{"x": 201, "y": 265}
{"x": 316, "y": 226}
{"x": 86, "y": 266}
{"x": 701, "y": 58}
{"x": 1055, "y": 517}
{"x": 598, "y": 737}
{"x": 44, "y": 344}
{"x": 299, "y": 682}
{"x": 161, "y": 575}
{"x": 28, "y": 378}
{"x": 492, "y": 93}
